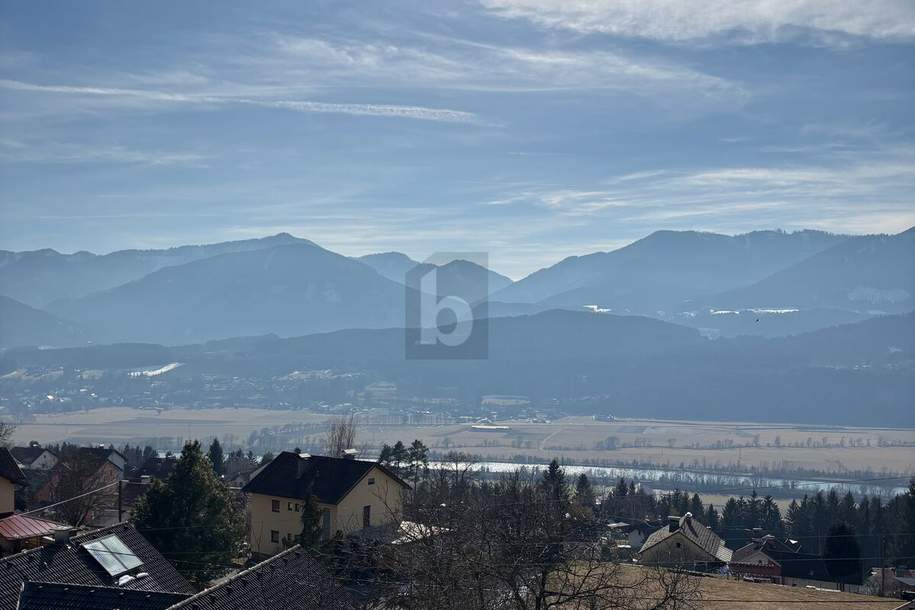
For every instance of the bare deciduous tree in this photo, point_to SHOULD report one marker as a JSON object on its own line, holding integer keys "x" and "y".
{"x": 6, "y": 433}
{"x": 85, "y": 485}
{"x": 521, "y": 543}
{"x": 341, "y": 435}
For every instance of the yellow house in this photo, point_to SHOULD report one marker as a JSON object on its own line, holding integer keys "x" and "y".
{"x": 10, "y": 477}
{"x": 353, "y": 495}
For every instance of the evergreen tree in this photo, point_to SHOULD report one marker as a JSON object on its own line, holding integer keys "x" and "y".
{"x": 217, "y": 459}
{"x": 311, "y": 522}
{"x": 584, "y": 492}
{"x": 842, "y": 554}
{"x": 193, "y": 515}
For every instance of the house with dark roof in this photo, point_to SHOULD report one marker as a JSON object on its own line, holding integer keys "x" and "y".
{"x": 95, "y": 467}
{"x": 685, "y": 542}
{"x": 292, "y": 580}
{"x": 781, "y": 562}
{"x": 35, "y": 457}
{"x": 114, "y": 557}
{"x": 353, "y": 495}
{"x": 11, "y": 477}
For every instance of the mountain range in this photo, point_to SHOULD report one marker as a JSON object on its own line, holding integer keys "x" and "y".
{"x": 631, "y": 366}
{"x": 768, "y": 283}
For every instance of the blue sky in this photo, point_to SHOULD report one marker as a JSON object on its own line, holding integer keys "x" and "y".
{"x": 529, "y": 129}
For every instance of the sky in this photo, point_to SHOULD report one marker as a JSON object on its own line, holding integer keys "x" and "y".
{"x": 528, "y": 129}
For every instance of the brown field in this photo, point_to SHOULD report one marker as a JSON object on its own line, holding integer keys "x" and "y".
{"x": 575, "y": 438}
{"x": 723, "y": 594}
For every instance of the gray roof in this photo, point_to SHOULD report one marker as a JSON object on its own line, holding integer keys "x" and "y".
{"x": 71, "y": 563}
{"x": 63, "y": 596}
{"x": 292, "y": 580}
{"x": 697, "y": 533}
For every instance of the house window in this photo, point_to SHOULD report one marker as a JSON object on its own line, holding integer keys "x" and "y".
{"x": 274, "y": 536}
{"x": 678, "y": 545}
{"x": 289, "y": 506}
{"x": 366, "y": 516}
{"x": 275, "y": 506}
{"x": 371, "y": 480}
{"x": 298, "y": 507}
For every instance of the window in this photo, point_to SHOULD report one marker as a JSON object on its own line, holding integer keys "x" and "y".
{"x": 274, "y": 536}
{"x": 275, "y": 506}
{"x": 371, "y": 480}
{"x": 366, "y": 516}
{"x": 678, "y": 545}
{"x": 113, "y": 555}
{"x": 289, "y": 506}
{"x": 298, "y": 507}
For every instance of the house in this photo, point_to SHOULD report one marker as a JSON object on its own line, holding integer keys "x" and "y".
{"x": 685, "y": 542}
{"x": 20, "y": 532}
{"x": 353, "y": 495}
{"x": 292, "y": 580}
{"x": 116, "y": 557}
{"x": 10, "y": 477}
{"x": 35, "y": 457}
{"x": 781, "y": 562}
{"x": 82, "y": 469}
{"x": 893, "y": 582}
{"x": 632, "y": 533}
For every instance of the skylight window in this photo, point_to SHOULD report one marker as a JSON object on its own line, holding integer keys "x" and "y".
{"x": 113, "y": 555}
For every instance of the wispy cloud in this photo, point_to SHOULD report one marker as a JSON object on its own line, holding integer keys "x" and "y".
{"x": 156, "y": 97}
{"x": 722, "y": 21}
{"x": 456, "y": 63}
{"x": 18, "y": 151}
{"x": 839, "y": 197}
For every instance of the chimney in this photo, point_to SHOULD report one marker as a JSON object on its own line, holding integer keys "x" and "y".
{"x": 673, "y": 523}
{"x": 350, "y": 454}
{"x": 62, "y": 535}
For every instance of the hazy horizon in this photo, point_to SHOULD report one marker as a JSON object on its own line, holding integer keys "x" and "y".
{"x": 528, "y": 130}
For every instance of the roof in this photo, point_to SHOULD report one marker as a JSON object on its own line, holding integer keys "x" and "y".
{"x": 768, "y": 545}
{"x": 64, "y": 596}
{"x": 158, "y": 467}
{"x": 291, "y": 475}
{"x": 291, "y": 580}
{"x": 27, "y": 455}
{"x": 9, "y": 469}
{"x": 71, "y": 563}
{"x": 101, "y": 454}
{"x": 697, "y": 533}
{"x": 22, "y": 527}
{"x": 793, "y": 563}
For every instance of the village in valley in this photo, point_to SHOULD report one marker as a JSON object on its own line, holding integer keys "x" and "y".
{"x": 206, "y": 528}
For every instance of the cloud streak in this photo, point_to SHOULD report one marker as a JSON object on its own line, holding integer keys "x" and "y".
{"x": 721, "y": 21}
{"x": 155, "y": 97}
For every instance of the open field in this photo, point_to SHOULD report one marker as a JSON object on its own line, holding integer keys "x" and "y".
{"x": 724, "y": 594}
{"x": 690, "y": 443}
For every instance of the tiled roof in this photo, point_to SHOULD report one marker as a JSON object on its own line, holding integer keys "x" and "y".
{"x": 793, "y": 564}
{"x": 27, "y": 455}
{"x": 702, "y": 536}
{"x": 63, "y": 596}
{"x": 71, "y": 563}
{"x": 9, "y": 469}
{"x": 290, "y": 475}
{"x": 289, "y": 581}
{"x": 769, "y": 545}
{"x": 20, "y": 527}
